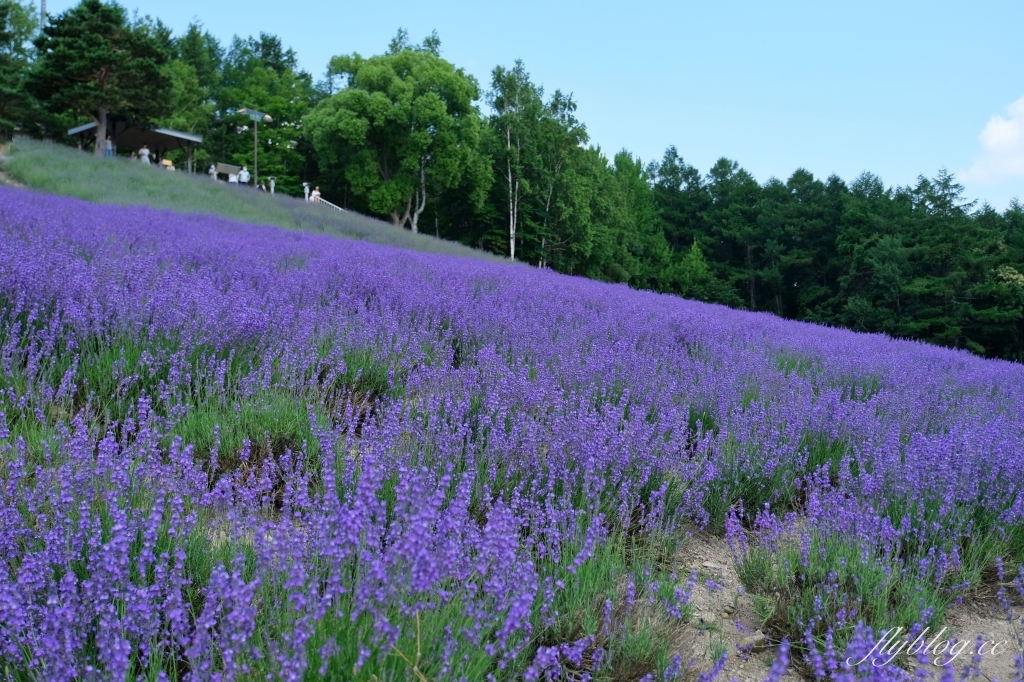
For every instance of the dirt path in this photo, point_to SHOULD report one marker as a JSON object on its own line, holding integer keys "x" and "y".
{"x": 724, "y": 619}
{"x": 728, "y": 620}
{"x": 5, "y": 177}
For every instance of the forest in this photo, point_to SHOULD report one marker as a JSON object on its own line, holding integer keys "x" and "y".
{"x": 508, "y": 166}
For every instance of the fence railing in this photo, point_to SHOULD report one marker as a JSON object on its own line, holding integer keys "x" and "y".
{"x": 327, "y": 203}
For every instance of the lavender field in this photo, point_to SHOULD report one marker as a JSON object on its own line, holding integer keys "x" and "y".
{"x": 232, "y": 451}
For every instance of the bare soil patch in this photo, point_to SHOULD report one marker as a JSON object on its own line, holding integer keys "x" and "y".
{"x": 728, "y": 619}
{"x": 982, "y": 614}
{"x": 5, "y": 177}
{"x": 724, "y": 619}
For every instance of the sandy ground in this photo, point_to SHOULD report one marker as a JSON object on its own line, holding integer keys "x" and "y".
{"x": 727, "y": 620}
{"x": 723, "y": 619}
{"x": 983, "y": 615}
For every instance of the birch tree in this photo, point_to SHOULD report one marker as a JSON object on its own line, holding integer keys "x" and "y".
{"x": 561, "y": 139}
{"x": 518, "y": 110}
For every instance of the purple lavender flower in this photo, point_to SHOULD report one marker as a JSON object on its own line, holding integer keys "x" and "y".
{"x": 355, "y": 439}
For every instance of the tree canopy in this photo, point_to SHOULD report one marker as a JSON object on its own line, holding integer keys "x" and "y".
{"x": 404, "y": 128}
{"x": 17, "y": 24}
{"x": 93, "y": 62}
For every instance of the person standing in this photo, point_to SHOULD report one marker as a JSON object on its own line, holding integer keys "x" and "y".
{"x": 212, "y": 172}
{"x": 144, "y": 155}
{"x": 243, "y": 176}
{"x": 108, "y": 147}
{"x": 315, "y": 196}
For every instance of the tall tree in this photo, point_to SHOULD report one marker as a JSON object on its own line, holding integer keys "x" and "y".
{"x": 518, "y": 108}
{"x": 634, "y": 217}
{"x": 195, "y": 74}
{"x": 189, "y": 106}
{"x": 404, "y": 127}
{"x": 261, "y": 74}
{"x": 952, "y": 296}
{"x": 682, "y": 200}
{"x": 560, "y": 138}
{"x": 91, "y": 61}
{"x": 17, "y": 23}
{"x": 732, "y": 217}
{"x": 202, "y": 51}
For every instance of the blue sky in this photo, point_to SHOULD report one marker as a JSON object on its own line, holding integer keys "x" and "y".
{"x": 900, "y": 88}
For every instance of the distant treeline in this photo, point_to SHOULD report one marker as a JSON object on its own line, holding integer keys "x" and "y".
{"x": 509, "y": 168}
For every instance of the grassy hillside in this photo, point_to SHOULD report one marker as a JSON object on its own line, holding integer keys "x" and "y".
{"x": 62, "y": 170}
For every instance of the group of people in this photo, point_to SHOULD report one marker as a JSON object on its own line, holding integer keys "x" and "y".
{"x": 240, "y": 178}
{"x": 142, "y": 155}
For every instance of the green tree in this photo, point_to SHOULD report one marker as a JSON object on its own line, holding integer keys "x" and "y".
{"x": 636, "y": 222}
{"x": 203, "y": 52}
{"x": 690, "y": 277}
{"x": 518, "y": 109}
{"x": 732, "y": 219}
{"x": 797, "y": 224}
{"x": 91, "y": 61}
{"x": 17, "y": 23}
{"x": 257, "y": 73}
{"x": 405, "y": 127}
{"x": 561, "y": 137}
{"x": 190, "y": 108}
{"x": 954, "y": 297}
{"x": 682, "y": 200}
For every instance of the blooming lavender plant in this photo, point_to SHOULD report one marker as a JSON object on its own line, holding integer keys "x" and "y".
{"x": 229, "y": 450}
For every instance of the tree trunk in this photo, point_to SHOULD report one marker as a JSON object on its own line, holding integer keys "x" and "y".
{"x": 750, "y": 278}
{"x": 778, "y": 293}
{"x": 547, "y": 212}
{"x": 511, "y": 216}
{"x": 101, "y": 131}
{"x": 420, "y": 198}
{"x": 513, "y": 191}
{"x": 400, "y": 221}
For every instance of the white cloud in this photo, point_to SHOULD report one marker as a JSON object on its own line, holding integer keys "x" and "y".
{"x": 1002, "y": 143}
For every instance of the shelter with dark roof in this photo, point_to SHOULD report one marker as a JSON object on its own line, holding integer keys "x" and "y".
{"x": 158, "y": 140}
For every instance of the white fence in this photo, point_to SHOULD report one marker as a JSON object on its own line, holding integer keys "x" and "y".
{"x": 327, "y": 203}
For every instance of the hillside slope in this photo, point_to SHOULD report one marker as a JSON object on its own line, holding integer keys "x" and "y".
{"x": 235, "y": 449}
{"x": 60, "y": 170}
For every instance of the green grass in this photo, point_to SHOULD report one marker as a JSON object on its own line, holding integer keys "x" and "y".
{"x": 66, "y": 171}
{"x": 638, "y": 639}
{"x": 271, "y": 423}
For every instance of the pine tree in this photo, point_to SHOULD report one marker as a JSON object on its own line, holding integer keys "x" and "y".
{"x": 92, "y": 62}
